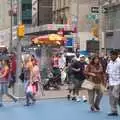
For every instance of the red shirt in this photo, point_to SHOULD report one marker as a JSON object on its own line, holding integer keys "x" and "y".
{"x": 55, "y": 62}
{"x": 13, "y": 65}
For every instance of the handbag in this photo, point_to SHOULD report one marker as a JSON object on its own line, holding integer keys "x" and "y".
{"x": 29, "y": 89}
{"x": 100, "y": 87}
{"x": 87, "y": 84}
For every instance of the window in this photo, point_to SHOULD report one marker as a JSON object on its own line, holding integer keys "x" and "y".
{"x": 15, "y": 20}
{"x": 26, "y": 6}
{"x": 29, "y": 21}
{"x": 27, "y": 13}
{"x": 64, "y": 2}
{"x": 59, "y": 4}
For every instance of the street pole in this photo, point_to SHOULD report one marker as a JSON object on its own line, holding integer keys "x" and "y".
{"x": 38, "y": 16}
{"x": 18, "y": 70}
{"x": 77, "y": 25}
{"x": 11, "y": 25}
{"x": 108, "y": 12}
{"x": 100, "y": 25}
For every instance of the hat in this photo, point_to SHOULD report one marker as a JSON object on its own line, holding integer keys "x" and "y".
{"x": 82, "y": 56}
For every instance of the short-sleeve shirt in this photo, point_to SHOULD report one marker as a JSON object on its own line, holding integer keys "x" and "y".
{"x": 113, "y": 70}
{"x": 80, "y": 74}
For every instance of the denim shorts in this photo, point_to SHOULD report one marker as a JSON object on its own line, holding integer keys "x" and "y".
{"x": 3, "y": 88}
{"x": 77, "y": 83}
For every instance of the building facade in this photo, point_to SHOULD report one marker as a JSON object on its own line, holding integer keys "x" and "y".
{"x": 4, "y": 16}
{"x": 65, "y": 12}
{"x": 34, "y": 12}
{"x": 61, "y": 11}
{"x": 44, "y": 12}
{"x": 112, "y": 24}
{"x": 71, "y": 11}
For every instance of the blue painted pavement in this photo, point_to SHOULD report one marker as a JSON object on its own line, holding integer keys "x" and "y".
{"x": 55, "y": 109}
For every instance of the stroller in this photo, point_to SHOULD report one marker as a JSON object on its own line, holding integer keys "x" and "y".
{"x": 53, "y": 80}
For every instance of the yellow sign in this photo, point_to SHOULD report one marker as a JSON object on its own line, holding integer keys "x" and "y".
{"x": 55, "y": 37}
{"x": 95, "y": 31}
{"x": 21, "y": 31}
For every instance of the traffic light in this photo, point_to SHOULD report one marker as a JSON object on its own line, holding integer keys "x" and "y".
{"x": 95, "y": 31}
{"x": 21, "y": 31}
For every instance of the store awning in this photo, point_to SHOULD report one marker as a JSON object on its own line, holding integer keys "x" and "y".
{"x": 49, "y": 39}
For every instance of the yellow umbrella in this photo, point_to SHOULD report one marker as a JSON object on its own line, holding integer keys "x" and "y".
{"x": 55, "y": 37}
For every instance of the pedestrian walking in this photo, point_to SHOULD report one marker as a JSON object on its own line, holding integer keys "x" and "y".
{"x": 35, "y": 76}
{"x": 29, "y": 91}
{"x": 113, "y": 75}
{"x": 78, "y": 68}
{"x": 4, "y": 80}
{"x": 12, "y": 73}
{"x": 94, "y": 72}
{"x": 69, "y": 80}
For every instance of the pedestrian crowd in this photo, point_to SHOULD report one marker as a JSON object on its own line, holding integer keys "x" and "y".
{"x": 95, "y": 75}
{"x": 98, "y": 75}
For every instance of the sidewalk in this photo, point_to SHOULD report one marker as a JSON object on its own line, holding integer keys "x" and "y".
{"x": 52, "y": 94}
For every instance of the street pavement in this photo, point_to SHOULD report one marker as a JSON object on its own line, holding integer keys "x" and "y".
{"x": 55, "y": 109}
{"x": 55, "y": 106}
{"x": 51, "y": 94}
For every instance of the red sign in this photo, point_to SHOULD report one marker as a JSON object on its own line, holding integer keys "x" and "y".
{"x": 61, "y": 32}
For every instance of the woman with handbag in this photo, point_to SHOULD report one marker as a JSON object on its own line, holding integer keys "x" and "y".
{"x": 94, "y": 72}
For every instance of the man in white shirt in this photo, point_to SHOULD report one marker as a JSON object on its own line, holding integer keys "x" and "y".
{"x": 62, "y": 61}
{"x": 62, "y": 65}
{"x": 113, "y": 72}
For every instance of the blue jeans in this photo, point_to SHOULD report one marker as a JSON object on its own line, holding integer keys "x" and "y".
{"x": 4, "y": 90}
{"x": 29, "y": 96}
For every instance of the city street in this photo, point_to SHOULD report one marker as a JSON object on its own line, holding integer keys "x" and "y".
{"x": 58, "y": 58}
{"x": 55, "y": 109}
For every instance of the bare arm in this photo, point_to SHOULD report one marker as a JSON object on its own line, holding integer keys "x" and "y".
{"x": 88, "y": 71}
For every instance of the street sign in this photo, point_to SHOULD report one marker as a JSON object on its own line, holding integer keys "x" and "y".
{"x": 105, "y": 10}
{"x": 21, "y": 31}
{"x": 92, "y": 17}
{"x": 96, "y": 10}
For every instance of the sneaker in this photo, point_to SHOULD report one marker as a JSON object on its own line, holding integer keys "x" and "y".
{"x": 78, "y": 99}
{"x": 27, "y": 104}
{"x": 73, "y": 98}
{"x": 84, "y": 99}
{"x": 97, "y": 108}
{"x": 34, "y": 101}
{"x": 15, "y": 100}
{"x": 93, "y": 109}
{"x": 113, "y": 114}
{"x": 68, "y": 97}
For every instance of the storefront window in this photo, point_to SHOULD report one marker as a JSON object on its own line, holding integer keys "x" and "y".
{"x": 27, "y": 11}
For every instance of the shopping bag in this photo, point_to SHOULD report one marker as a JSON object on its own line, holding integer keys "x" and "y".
{"x": 87, "y": 84}
{"x": 63, "y": 75}
{"x": 29, "y": 89}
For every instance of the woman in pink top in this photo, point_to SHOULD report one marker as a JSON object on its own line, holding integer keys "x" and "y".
{"x": 35, "y": 75}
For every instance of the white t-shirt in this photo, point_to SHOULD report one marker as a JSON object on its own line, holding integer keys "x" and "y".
{"x": 62, "y": 62}
{"x": 113, "y": 70}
